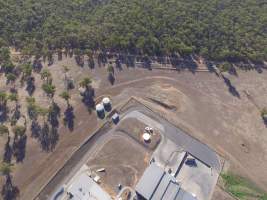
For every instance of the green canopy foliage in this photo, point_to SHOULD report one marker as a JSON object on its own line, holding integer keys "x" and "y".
{"x": 19, "y": 130}
{"x": 3, "y": 130}
{"x": 230, "y": 30}
{"x": 85, "y": 82}
{"x": 65, "y": 95}
{"x": 6, "y": 168}
{"x": 3, "y": 97}
{"x": 49, "y": 89}
{"x": 13, "y": 97}
{"x": 11, "y": 77}
{"x": 45, "y": 74}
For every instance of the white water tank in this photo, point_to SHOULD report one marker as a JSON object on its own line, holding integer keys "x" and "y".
{"x": 106, "y": 103}
{"x": 146, "y": 137}
{"x": 99, "y": 108}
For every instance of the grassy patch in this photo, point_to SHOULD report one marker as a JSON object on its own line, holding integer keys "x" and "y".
{"x": 242, "y": 188}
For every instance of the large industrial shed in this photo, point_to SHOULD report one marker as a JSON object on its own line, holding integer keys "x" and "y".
{"x": 156, "y": 184}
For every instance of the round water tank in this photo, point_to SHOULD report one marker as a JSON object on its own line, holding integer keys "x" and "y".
{"x": 99, "y": 108}
{"x": 106, "y": 101}
{"x": 107, "y": 104}
{"x": 146, "y": 137}
{"x": 100, "y": 111}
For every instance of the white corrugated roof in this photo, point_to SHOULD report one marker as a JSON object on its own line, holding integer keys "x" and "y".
{"x": 84, "y": 188}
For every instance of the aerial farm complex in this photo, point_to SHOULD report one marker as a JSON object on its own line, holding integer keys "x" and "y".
{"x": 136, "y": 154}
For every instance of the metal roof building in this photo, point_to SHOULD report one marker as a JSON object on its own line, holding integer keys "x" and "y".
{"x": 84, "y": 188}
{"x": 156, "y": 184}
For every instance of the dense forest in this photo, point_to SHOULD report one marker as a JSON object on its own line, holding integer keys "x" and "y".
{"x": 232, "y": 30}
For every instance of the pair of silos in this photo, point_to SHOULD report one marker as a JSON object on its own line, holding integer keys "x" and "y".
{"x": 105, "y": 105}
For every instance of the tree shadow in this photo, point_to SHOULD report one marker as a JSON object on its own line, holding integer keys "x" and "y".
{"x": 44, "y": 137}
{"x": 16, "y": 115}
{"x": 191, "y": 64}
{"x": 111, "y": 78}
{"x": 47, "y": 136}
{"x": 19, "y": 147}
{"x": 182, "y": 63}
{"x": 54, "y": 137}
{"x": 91, "y": 63}
{"x": 9, "y": 191}
{"x": 175, "y": 62}
{"x": 54, "y": 114}
{"x": 118, "y": 64}
{"x": 102, "y": 59}
{"x": 69, "y": 118}
{"x": 8, "y": 152}
{"x": 231, "y": 88}
{"x": 59, "y": 55}
{"x": 79, "y": 60}
{"x": 88, "y": 98}
{"x": 147, "y": 62}
{"x": 233, "y": 71}
{"x": 35, "y": 129}
{"x": 30, "y": 85}
{"x": 37, "y": 65}
{"x": 3, "y": 112}
{"x": 130, "y": 61}
{"x": 50, "y": 60}
{"x": 264, "y": 121}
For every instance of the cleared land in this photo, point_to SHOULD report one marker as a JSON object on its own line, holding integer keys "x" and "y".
{"x": 135, "y": 129}
{"x": 124, "y": 162}
{"x": 204, "y": 108}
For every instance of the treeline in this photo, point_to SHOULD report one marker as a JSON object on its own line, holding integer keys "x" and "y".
{"x": 228, "y": 30}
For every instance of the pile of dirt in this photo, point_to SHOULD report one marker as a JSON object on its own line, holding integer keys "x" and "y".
{"x": 167, "y": 97}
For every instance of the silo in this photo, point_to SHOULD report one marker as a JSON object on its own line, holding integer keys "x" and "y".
{"x": 107, "y": 104}
{"x": 100, "y": 110}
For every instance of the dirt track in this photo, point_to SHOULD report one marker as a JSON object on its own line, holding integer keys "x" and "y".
{"x": 206, "y": 109}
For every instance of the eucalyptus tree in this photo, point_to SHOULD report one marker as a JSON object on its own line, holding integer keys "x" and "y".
{"x": 11, "y": 78}
{"x": 13, "y": 97}
{"x": 19, "y": 142}
{"x": 9, "y": 190}
{"x": 111, "y": 76}
{"x": 68, "y": 81}
{"x": 4, "y": 131}
{"x": 4, "y": 55}
{"x": 88, "y": 93}
{"x": 27, "y": 76}
{"x": 69, "y": 112}
{"x": 66, "y": 96}
{"x": 91, "y": 62}
{"x": 3, "y": 106}
{"x": 49, "y": 89}
{"x": 46, "y": 76}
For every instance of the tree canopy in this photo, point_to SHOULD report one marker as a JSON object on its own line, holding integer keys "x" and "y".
{"x": 230, "y": 30}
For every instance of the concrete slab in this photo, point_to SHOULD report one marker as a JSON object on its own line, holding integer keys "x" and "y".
{"x": 169, "y": 155}
{"x": 199, "y": 180}
{"x": 83, "y": 187}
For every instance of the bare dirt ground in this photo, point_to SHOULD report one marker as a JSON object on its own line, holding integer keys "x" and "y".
{"x": 201, "y": 104}
{"x": 219, "y": 194}
{"x": 119, "y": 157}
{"x": 135, "y": 129}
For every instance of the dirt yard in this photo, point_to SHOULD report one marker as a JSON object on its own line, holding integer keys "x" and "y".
{"x": 124, "y": 162}
{"x": 135, "y": 129}
{"x": 199, "y": 103}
